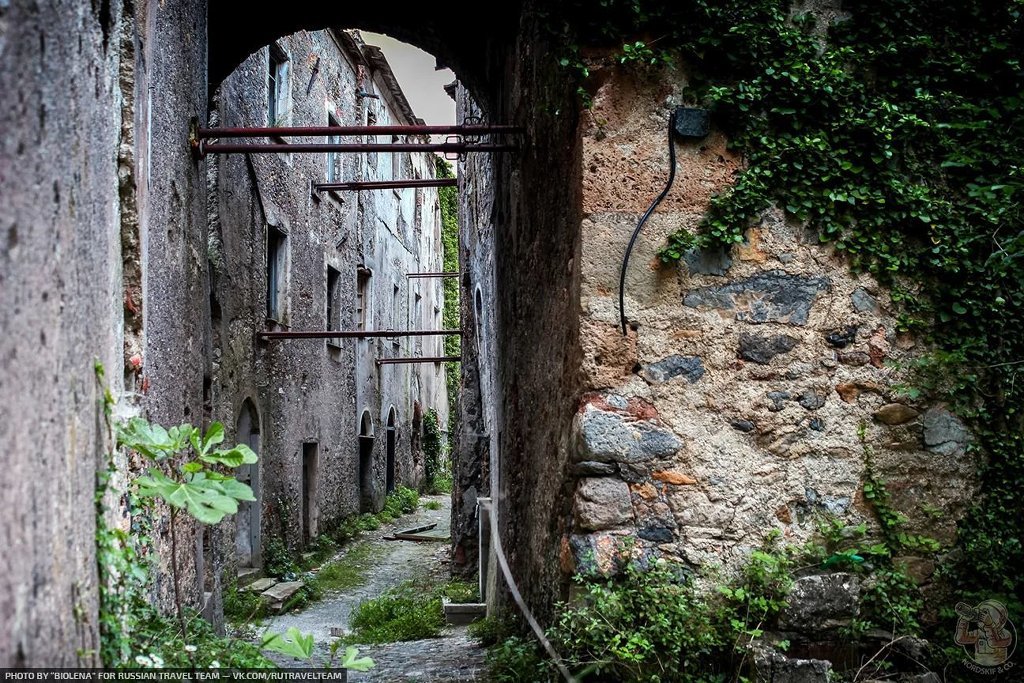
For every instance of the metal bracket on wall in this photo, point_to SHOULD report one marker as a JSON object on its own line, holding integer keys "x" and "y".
{"x": 424, "y": 359}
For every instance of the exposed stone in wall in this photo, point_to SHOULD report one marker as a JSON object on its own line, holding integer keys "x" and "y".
{"x": 766, "y": 373}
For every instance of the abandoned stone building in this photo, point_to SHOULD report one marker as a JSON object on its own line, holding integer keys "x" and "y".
{"x": 334, "y": 423}
{"x": 742, "y": 398}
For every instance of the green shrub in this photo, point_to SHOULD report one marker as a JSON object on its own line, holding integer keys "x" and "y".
{"x": 403, "y": 613}
{"x": 346, "y": 571}
{"x": 432, "y": 505}
{"x": 461, "y": 591}
{"x": 278, "y": 560}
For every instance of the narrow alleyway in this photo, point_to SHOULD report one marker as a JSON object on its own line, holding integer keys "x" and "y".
{"x": 452, "y": 657}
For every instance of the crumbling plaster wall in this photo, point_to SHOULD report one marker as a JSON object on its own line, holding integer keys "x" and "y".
{"x": 314, "y": 390}
{"x": 754, "y": 385}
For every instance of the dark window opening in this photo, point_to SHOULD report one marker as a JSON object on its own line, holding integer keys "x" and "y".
{"x": 277, "y": 254}
{"x": 391, "y": 443}
{"x": 362, "y": 298}
{"x": 333, "y": 158}
{"x": 333, "y": 318}
{"x": 310, "y": 509}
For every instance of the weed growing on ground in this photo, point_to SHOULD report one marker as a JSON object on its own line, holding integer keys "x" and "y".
{"x": 241, "y": 605}
{"x": 348, "y": 570}
{"x": 461, "y": 591}
{"x": 432, "y": 505}
{"x": 406, "y": 612}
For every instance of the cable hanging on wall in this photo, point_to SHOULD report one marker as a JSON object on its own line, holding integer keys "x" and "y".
{"x": 685, "y": 122}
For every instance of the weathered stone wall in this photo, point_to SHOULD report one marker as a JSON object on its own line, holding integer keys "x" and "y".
{"x": 754, "y": 385}
{"x": 60, "y": 286}
{"x": 99, "y": 266}
{"x": 316, "y": 391}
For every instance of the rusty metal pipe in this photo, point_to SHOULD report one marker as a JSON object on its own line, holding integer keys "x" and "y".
{"x": 428, "y": 359}
{"x": 330, "y": 131}
{"x": 356, "y": 334}
{"x": 456, "y": 274}
{"x": 202, "y": 149}
{"x": 387, "y": 184}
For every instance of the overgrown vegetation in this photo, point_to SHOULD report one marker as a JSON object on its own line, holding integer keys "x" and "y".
{"x": 896, "y": 134}
{"x": 407, "y": 612}
{"x": 452, "y": 316}
{"x": 348, "y": 570}
{"x": 437, "y": 456}
{"x": 651, "y": 621}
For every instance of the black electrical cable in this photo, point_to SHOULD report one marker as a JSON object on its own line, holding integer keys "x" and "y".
{"x": 647, "y": 214}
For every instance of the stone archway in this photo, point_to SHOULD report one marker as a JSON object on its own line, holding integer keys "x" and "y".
{"x": 391, "y": 442}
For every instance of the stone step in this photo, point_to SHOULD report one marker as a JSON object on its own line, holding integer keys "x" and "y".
{"x": 247, "y": 575}
{"x": 260, "y": 585}
{"x": 278, "y": 594}
{"x": 462, "y": 613}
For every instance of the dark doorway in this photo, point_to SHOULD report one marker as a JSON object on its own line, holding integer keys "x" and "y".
{"x": 391, "y": 438}
{"x": 366, "y": 463}
{"x": 247, "y": 521}
{"x": 310, "y": 508}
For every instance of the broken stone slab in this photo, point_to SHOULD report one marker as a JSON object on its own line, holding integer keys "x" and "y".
{"x": 944, "y": 433}
{"x": 276, "y": 595}
{"x": 772, "y": 296}
{"x": 895, "y": 414}
{"x": 610, "y": 437}
{"x": 260, "y": 585}
{"x": 246, "y": 575}
{"x": 761, "y": 350}
{"x": 463, "y": 613}
{"x": 771, "y": 666}
{"x": 821, "y": 602}
{"x": 602, "y": 503}
{"x": 690, "y": 368}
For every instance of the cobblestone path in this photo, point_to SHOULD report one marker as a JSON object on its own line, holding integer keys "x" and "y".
{"x": 452, "y": 657}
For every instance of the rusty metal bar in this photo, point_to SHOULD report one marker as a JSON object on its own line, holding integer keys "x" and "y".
{"x": 425, "y": 359}
{"x": 356, "y": 334}
{"x": 331, "y": 131}
{"x": 387, "y": 184}
{"x": 203, "y": 148}
{"x": 451, "y": 274}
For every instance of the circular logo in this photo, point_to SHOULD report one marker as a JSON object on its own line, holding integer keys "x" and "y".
{"x": 986, "y": 633}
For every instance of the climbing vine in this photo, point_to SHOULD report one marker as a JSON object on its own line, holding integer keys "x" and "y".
{"x": 448, "y": 197}
{"x": 895, "y": 132}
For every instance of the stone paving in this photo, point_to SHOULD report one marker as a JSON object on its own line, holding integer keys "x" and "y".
{"x": 452, "y": 657}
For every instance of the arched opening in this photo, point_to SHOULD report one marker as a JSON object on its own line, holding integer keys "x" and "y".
{"x": 366, "y": 438}
{"x": 247, "y": 521}
{"x": 391, "y": 438}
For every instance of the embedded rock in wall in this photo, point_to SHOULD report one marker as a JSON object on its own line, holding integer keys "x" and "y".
{"x": 606, "y": 436}
{"x": 602, "y": 503}
{"x": 774, "y": 296}
{"x": 821, "y": 602}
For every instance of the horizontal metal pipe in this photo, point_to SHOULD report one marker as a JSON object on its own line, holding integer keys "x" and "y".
{"x": 430, "y": 359}
{"x": 452, "y": 147}
{"x": 330, "y": 131}
{"x": 433, "y": 274}
{"x": 388, "y": 184}
{"x": 356, "y": 334}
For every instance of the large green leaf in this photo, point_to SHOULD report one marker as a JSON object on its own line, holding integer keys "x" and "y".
{"x": 203, "y": 498}
{"x": 237, "y": 490}
{"x": 150, "y": 440}
{"x": 292, "y": 643}
{"x": 351, "y": 661}
{"x": 231, "y": 457}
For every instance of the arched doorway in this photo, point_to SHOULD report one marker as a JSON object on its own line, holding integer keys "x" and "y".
{"x": 391, "y": 438}
{"x": 247, "y": 520}
{"x": 366, "y": 438}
